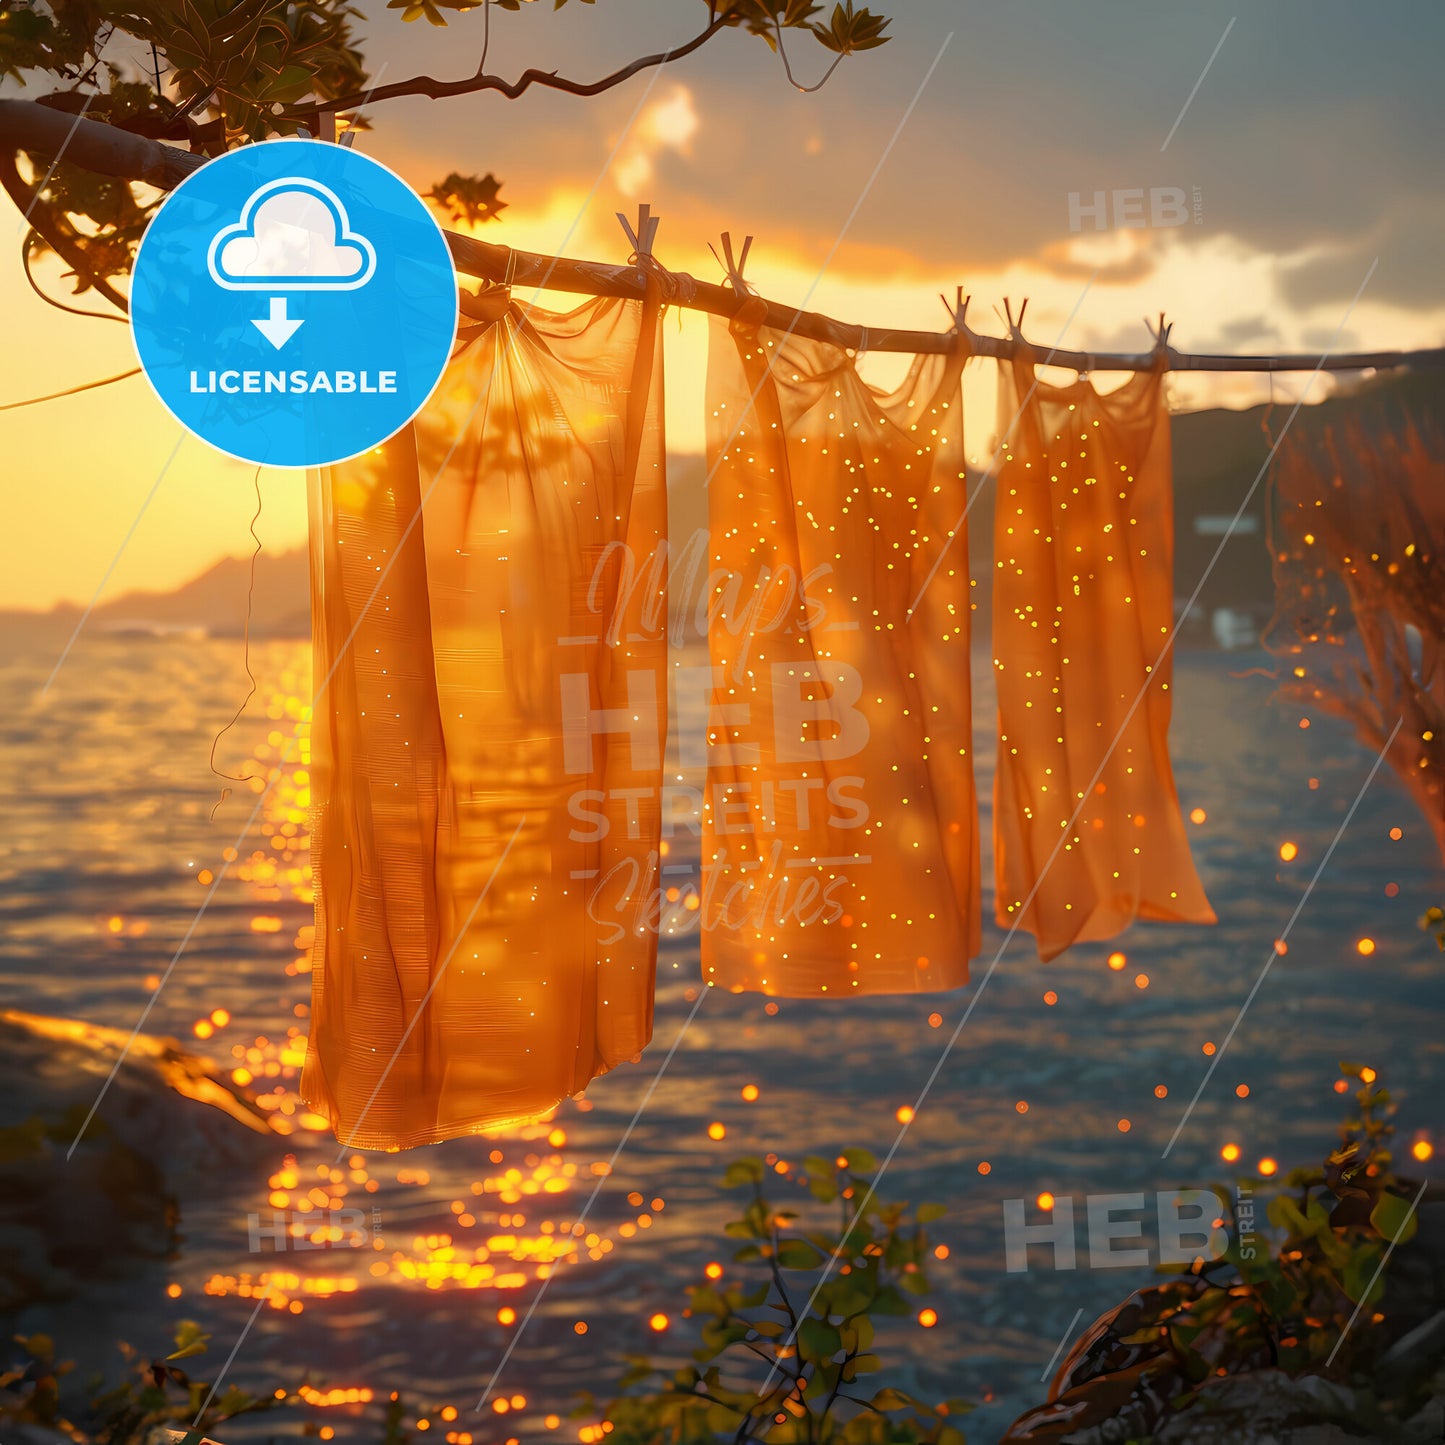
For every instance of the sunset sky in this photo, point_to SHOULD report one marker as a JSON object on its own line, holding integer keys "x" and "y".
{"x": 1313, "y": 140}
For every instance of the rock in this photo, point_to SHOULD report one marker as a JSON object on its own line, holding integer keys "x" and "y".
{"x": 108, "y": 1210}
{"x": 1412, "y": 1357}
{"x": 1266, "y": 1406}
{"x": 54, "y": 1069}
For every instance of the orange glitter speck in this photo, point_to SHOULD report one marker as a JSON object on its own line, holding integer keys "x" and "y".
{"x": 940, "y": 1251}
{"x": 658, "y": 1322}
{"x": 1288, "y": 852}
{"x": 1022, "y": 1106}
{"x": 203, "y": 1028}
{"x": 713, "y": 1270}
{"x": 984, "y": 1167}
{"x": 1422, "y": 1149}
{"x": 174, "y": 1290}
{"x": 1304, "y": 722}
{"x": 1368, "y": 1075}
{"x": 557, "y": 1138}
{"x": 1268, "y": 1166}
{"x": 1229, "y": 1153}
{"x": 1197, "y": 815}
{"x": 1340, "y": 1086}
{"x": 1396, "y": 834}
{"x": 580, "y": 1328}
{"x": 1117, "y": 961}
{"x": 1242, "y": 1090}
{"x": 1124, "y": 1126}
{"x": 1051, "y": 998}
{"x": 552, "y": 1422}
{"x": 928, "y": 1318}
{"x": 1365, "y": 947}
{"x": 220, "y": 1017}
{"x": 506, "y": 1315}
{"x": 770, "y": 1009}
{"x": 751, "y": 1093}
{"x": 716, "y": 1131}
{"x": 904, "y": 1114}
{"x": 935, "y": 1021}
{"x": 1141, "y": 980}
{"x": 1281, "y": 947}
{"x": 1046, "y": 1201}
{"x": 1161, "y": 1091}
{"x": 1208, "y": 1050}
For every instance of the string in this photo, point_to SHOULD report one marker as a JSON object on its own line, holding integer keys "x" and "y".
{"x": 71, "y": 390}
{"x": 236, "y": 716}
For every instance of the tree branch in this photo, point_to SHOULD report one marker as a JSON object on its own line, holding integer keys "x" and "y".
{"x": 43, "y": 222}
{"x": 433, "y": 89}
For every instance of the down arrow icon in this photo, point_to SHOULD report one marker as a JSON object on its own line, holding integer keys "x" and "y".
{"x": 277, "y": 328}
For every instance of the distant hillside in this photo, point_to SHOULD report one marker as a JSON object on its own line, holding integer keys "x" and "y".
{"x": 214, "y": 602}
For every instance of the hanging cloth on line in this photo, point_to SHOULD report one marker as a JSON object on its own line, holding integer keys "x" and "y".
{"x": 840, "y": 831}
{"x": 1082, "y": 607}
{"x": 469, "y": 697}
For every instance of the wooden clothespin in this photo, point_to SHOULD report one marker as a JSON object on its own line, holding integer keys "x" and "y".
{"x": 958, "y": 313}
{"x": 1015, "y": 325}
{"x": 1161, "y": 336}
{"x": 734, "y": 265}
{"x": 642, "y": 238}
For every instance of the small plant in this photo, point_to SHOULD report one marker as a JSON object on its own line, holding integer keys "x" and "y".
{"x": 1293, "y": 1305}
{"x": 1304, "y": 1299}
{"x": 158, "y": 1394}
{"x": 781, "y": 1355}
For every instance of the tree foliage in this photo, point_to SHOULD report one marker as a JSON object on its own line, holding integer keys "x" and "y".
{"x": 215, "y": 74}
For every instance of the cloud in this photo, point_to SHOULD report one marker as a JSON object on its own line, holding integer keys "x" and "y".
{"x": 668, "y": 124}
{"x": 293, "y": 235}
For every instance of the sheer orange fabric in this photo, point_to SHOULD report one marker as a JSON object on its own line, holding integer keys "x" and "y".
{"x": 480, "y": 677}
{"x": 1082, "y": 605}
{"x": 1358, "y": 542}
{"x": 840, "y": 826}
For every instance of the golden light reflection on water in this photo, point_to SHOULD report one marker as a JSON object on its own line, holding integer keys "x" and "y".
{"x": 509, "y": 1222}
{"x": 509, "y": 1227}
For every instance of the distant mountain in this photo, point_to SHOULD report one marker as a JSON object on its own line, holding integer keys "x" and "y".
{"x": 214, "y": 603}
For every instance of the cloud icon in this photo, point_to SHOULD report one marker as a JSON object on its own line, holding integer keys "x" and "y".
{"x": 293, "y": 235}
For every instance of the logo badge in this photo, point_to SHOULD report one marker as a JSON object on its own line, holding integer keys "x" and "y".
{"x": 293, "y": 303}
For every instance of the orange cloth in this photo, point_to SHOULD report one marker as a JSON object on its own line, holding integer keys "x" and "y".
{"x": 840, "y": 831}
{"x": 481, "y": 676}
{"x": 1082, "y": 605}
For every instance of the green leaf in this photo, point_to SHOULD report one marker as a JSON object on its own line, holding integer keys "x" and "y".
{"x": 927, "y": 1213}
{"x": 818, "y": 1341}
{"x": 860, "y": 1161}
{"x": 890, "y": 1399}
{"x": 798, "y": 1254}
{"x": 1358, "y": 1275}
{"x": 1394, "y": 1218}
{"x": 748, "y": 1170}
{"x": 190, "y": 1339}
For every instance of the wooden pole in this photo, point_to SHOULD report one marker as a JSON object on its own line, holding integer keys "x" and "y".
{"x": 108, "y": 150}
